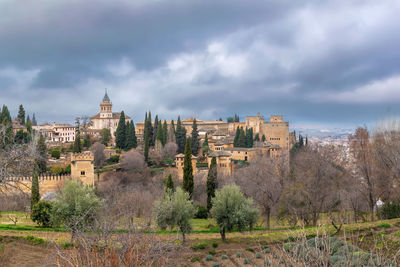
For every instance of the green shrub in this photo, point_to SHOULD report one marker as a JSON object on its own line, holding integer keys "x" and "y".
{"x": 257, "y": 256}
{"x": 250, "y": 249}
{"x": 267, "y": 250}
{"x": 215, "y": 245}
{"x": 35, "y": 240}
{"x": 246, "y": 261}
{"x": 212, "y": 252}
{"x": 334, "y": 244}
{"x": 224, "y": 257}
{"x": 201, "y": 212}
{"x": 41, "y": 213}
{"x": 290, "y": 239}
{"x": 199, "y": 246}
{"x": 288, "y": 247}
{"x": 239, "y": 254}
{"x": 267, "y": 263}
{"x": 216, "y": 264}
{"x": 390, "y": 210}
{"x": 209, "y": 258}
{"x": 195, "y": 259}
{"x": 113, "y": 159}
{"x": 275, "y": 256}
{"x": 66, "y": 245}
{"x": 385, "y": 225}
{"x": 55, "y": 153}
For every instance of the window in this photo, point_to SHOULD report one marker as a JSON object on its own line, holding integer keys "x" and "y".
{"x": 82, "y": 173}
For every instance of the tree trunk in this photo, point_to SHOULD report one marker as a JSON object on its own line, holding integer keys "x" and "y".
{"x": 222, "y": 232}
{"x": 371, "y": 207}
{"x": 268, "y": 211}
{"x": 183, "y": 237}
{"x": 315, "y": 218}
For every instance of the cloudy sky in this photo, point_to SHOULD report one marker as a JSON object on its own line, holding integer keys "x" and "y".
{"x": 320, "y": 63}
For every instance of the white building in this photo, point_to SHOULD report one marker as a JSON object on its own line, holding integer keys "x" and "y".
{"x": 63, "y": 133}
{"x": 107, "y": 119}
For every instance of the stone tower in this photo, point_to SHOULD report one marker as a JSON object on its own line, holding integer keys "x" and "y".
{"x": 106, "y": 107}
{"x": 82, "y": 167}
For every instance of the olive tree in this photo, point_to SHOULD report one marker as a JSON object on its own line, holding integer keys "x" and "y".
{"x": 75, "y": 207}
{"x": 176, "y": 209}
{"x": 231, "y": 209}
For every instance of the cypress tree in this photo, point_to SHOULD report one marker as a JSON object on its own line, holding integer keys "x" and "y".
{"x": 165, "y": 133}
{"x": 77, "y": 143}
{"x": 195, "y": 142}
{"x": 171, "y": 136}
{"x": 34, "y": 122}
{"x": 120, "y": 134}
{"x": 306, "y": 140}
{"x": 263, "y": 138}
{"x": 212, "y": 182}
{"x": 160, "y": 133}
{"x": 41, "y": 157}
{"x": 35, "y": 195}
{"x": 257, "y": 137}
{"x": 150, "y": 130}
{"x": 242, "y": 138}
{"x": 5, "y": 116}
{"x": 86, "y": 141}
{"x": 131, "y": 139}
{"x": 237, "y": 136}
{"x": 28, "y": 124}
{"x": 21, "y": 115}
{"x": 180, "y": 136}
{"x": 169, "y": 184}
{"x": 188, "y": 183}
{"x": 146, "y": 147}
{"x": 249, "y": 137}
{"x": 205, "y": 146}
{"x": 155, "y": 130}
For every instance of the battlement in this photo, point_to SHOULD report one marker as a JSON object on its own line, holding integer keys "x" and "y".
{"x": 276, "y": 118}
{"x": 41, "y": 178}
{"x": 84, "y": 156}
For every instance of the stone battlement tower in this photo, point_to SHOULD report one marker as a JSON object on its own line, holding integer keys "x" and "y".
{"x": 82, "y": 167}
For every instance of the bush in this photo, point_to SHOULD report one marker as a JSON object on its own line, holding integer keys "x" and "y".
{"x": 216, "y": 264}
{"x": 195, "y": 259}
{"x": 224, "y": 257}
{"x": 390, "y": 210}
{"x": 35, "y": 240}
{"x": 215, "y": 245}
{"x": 41, "y": 213}
{"x": 385, "y": 225}
{"x": 250, "y": 249}
{"x": 55, "y": 153}
{"x": 113, "y": 159}
{"x": 212, "y": 252}
{"x": 246, "y": 261}
{"x": 267, "y": 250}
{"x": 201, "y": 212}
{"x": 199, "y": 246}
{"x": 209, "y": 258}
{"x": 57, "y": 170}
{"x": 239, "y": 254}
{"x": 257, "y": 256}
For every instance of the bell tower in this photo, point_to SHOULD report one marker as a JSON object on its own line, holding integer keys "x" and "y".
{"x": 106, "y": 107}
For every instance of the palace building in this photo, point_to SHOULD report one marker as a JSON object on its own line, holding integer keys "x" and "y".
{"x": 107, "y": 119}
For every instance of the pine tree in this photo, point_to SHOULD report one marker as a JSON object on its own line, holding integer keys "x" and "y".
{"x": 34, "y": 122}
{"x": 257, "y": 137}
{"x": 169, "y": 184}
{"x": 212, "y": 182}
{"x": 263, "y": 138}
{"x": 205, "y": 146}
{"x": 195, "y": 142}
{"x": 165, "y": 133}
{"x": 237, "y": 136}
{"x": 150, "y": 130}
{"x": 120, "y": 134}
{"x": 131, "y": 139}
{"x": 35, "y": 195}
{"x": 188, "y": 183}
{"x": 21, "y": 115}
{"x": 5, "y": 116}
{"x": 249, "y": 137}
{"x": 180, "y": 136}
{"x": 77, "y": 143}
{"x": 41, "y": 157}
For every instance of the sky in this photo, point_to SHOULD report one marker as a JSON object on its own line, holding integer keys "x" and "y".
{"x": 331, "y": 63}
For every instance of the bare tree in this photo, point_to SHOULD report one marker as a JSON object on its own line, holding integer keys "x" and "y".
{"x": 264, "y": 181}
{"x": 133, "y": 161}
{"x": 169, "y": 150}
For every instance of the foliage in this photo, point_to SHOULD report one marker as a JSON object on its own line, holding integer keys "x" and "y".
{"x": 169, "y": 184}
{"x": 180, "y": 136}
{"x": 390, "y": 210}
{"x": 224, "y": 257}
{"x": 209, "y": 258}
{"x": 212, "y": 252}
{"x": 120, "y": 134}
{"x": 113, "y": 159}
{"x": 57, "y": 170}
{"x": 55, "y": 153}
{"x": 205, "y": 147}
{"x": 77, "y": 144}
{"x": 195, "y": 259}
{"x": 175, "y": 210}
{"x": 231, "y": 209}
{"x": 41, "y": 156}
{"x": 105, "y": 136}
{"x": 212, "y": 182}
{"x": 194, "y": 140}
{"x": 86, "y": 141}
{"x": 41, "y": 213}
{"x": 384, "y": 225}
{"x": 233, "y": 119}
{"x": 188, "y": 184}
{"x": 199, "y": 246}
{"x": 215, "y": 245}
{"x": 21, "y": 115}
{"x": 131, "y": 139}
{"x": 75, "y": 207}
{"x": 35, "y": 195}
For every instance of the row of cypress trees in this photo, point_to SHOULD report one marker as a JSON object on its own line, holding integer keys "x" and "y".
{"x": 125, "y": 136}
{"x": 243, "y": 138}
